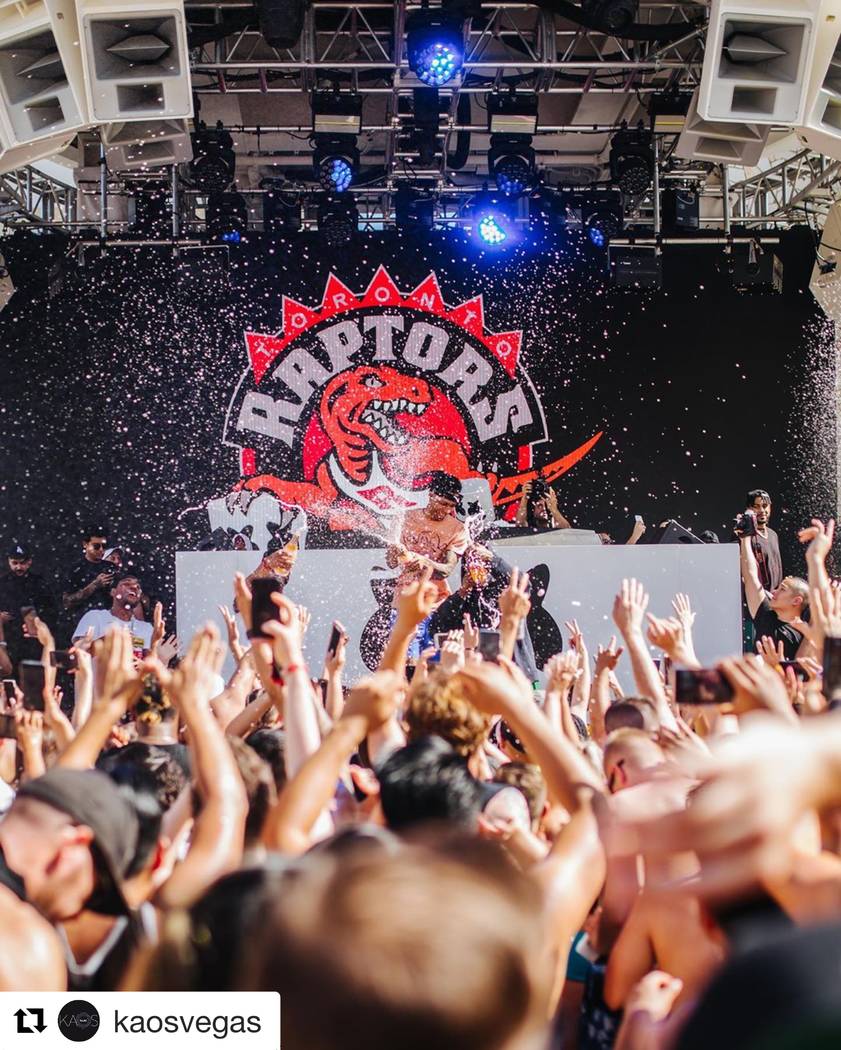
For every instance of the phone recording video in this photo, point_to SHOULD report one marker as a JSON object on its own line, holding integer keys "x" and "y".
{"x": 489, "y": 645}
{"x": 9, "y": 689}
{"x": 705, "y": 686}
{"x": 8, "y": 727}
{"x": 32, "y": 684}
{"x": 63, "y": 659}
{"x": 263, "y": 609}
{"x": 335, "y": 637}
{"x": 832, "y": 668}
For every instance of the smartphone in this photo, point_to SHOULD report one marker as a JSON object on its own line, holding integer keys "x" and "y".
{"x": 335, "y": 638}
{"x": 63, "y": 659}
{"x": 798, "y": 670}
{"x": 27, "y": 610}
{"x": 32, "y": 684}
{"x": 706, "y": 686}
{"x": 9, "y": 689}
{"x": 489, "y": 645}
{"x": 263, "y": 609}
{"x": 440, "y": 637}
{"x": 832, "y": 668}
{"x": 638, "y": 519}
{"x": 8, "y": 727}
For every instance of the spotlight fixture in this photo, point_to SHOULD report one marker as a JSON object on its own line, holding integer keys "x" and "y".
{"x": 511, "y": 162}
{"x": 227, "y": 217}
{"x": 601, "y": 217}
{"x": 493, "y": 222}
{"x": 632, "y": 160}
{"x": 434, "y": 46}
{"x": 281, "y": 208}
{"x": 335, "y": 161}
{"x": 214, "y": 162}
{"x": 281, "y": 21}
{"x": 613, "y": 15}
{"x": 413, "y": 208}
{"x": 338, "y": 220}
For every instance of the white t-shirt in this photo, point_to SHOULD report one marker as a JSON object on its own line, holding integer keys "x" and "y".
{"x": 101, "y": 620}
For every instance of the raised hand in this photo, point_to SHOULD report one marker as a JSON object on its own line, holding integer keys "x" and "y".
{"x": 334, "y": 662}
{"x": 158, "y": 625}
{"x": 495, "y": 688}
{"x": 285, "y": 634}
{"x": 192, "y": 684}
{"x": 168, "y": 649}
{"x": 773, "y": 655}
{"x": 452, "y": 652}
{"x": 683, "y": 611}
{"x": 819, "y": 537}
{"x": 242, "y": 599}
{"x": 304, "y": 617}
{"x": 417, "y": 599}
{"x": 629, "y": 607}
{"x": 231, "y": 627}
{"x": 514, "y": 602}
{"x": 470, "y": 633}
{"x": 607, "y": 659}
{"x": 375, "y": 699}
{"x": 576, "y": 638}
{"x": 757, "y": 687}
{"x": 117, "y": 681}
{"x": 666, "y": 635}
{"x": 29, "y": 726}
{"x": 561, "y": 671}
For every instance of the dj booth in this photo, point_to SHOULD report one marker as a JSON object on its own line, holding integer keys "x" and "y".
{"x": 579, "y": 576}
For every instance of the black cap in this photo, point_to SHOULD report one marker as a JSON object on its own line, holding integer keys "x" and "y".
{"x": 19, "y": 551}
{"x": 446, "y": 485}
{"x": 93, "y": 799}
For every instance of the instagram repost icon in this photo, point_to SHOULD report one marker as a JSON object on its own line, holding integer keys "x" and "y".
{"x": 78, "y": 1021}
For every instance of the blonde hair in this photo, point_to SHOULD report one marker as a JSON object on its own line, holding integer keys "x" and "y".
{"x": 439, "y": 707}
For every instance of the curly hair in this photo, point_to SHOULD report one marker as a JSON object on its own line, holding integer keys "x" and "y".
{"x": 438, "y": 707}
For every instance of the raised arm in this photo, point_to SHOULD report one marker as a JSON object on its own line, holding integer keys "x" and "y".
{"x": 370, "y": 705}
{"x": 219, "y": 830}
{"x": 414, "y": 603}
{"x": 819, "y": 538}
{"x": 628, "y": 613}
{"x": 514, "y": 606}
{"x": 600, "y": 696}
{"x": 754, "y": 591}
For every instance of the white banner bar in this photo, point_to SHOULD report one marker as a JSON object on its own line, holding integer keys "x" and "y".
{"x": 140, "y": 1020}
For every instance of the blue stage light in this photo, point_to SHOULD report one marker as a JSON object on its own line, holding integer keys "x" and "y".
{"x": 513, "y": 176}
{"x": 336, "y": 174}
{"x": 434, "y": 47}
{"x": 437, "y": 63}
{"x": 597, "y": 237}
{"x": 231, "y": 237}
{"x": 491, "y": 230}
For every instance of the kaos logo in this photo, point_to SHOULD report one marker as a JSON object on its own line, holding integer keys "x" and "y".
{"x": 347, "y": 411}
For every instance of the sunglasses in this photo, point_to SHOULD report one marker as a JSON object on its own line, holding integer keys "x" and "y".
{"x": 97, "y": 546}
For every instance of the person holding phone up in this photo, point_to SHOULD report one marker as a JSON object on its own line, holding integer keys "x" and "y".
{"x": 89, "y": 582}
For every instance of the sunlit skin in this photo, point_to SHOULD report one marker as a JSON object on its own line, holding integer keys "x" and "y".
{"x": 438, "y": 507}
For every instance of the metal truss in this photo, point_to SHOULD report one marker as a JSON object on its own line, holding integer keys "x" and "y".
{"x": 360, "y": 45}
{"x": 29, "y": 196}
{"x": 804, "y": 185}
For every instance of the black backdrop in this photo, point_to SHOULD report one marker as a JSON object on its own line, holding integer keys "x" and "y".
{"x": 114, "y": 391}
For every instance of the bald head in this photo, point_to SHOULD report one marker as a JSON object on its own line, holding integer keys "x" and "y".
{"x": 629, "y": 757}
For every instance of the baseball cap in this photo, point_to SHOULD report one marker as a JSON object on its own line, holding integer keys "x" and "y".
{"x": 446, "y": 485}
{"x": 91, "y": 798}
{"x": 19, "y": 550}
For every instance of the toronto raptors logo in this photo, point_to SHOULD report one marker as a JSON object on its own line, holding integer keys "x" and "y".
{"x": 350, "y": 408}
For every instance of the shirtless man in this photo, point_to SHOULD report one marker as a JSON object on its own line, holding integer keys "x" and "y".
{"x": 430, "y": 538}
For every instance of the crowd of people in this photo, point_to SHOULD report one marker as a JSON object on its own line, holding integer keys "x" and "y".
{"x": 456, "y": 851}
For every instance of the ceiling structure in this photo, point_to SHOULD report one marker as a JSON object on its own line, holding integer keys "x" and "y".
{"x": 587, "y": 84}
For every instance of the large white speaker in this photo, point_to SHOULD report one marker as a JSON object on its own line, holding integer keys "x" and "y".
{"x": 821, "y": 127}
{"x": 136, "y": 60}
{"x": 15, "y": 157}
{"x": 42, "y": 83}
{"x": 720, "y": 142}
{"x": 757, "y": 60}
{"x": 146, "y": 144}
